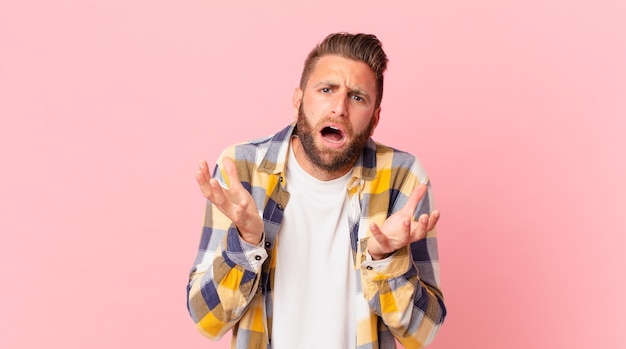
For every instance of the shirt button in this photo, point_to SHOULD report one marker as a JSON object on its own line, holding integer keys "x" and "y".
{"x": 258, "y": 258}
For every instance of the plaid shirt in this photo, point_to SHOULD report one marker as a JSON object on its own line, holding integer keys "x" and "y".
{"x": 231, "y": 283}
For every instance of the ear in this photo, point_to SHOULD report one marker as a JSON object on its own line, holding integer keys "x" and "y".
{"x": 296, "y": 101}
{"x": 376, "y": 117}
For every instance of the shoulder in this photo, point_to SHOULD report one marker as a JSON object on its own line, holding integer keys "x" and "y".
{"x": 267, "y": 149}
{"x": 399, "y": 163}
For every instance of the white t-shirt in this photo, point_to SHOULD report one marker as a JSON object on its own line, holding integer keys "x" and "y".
{"x": 314, "y": 285}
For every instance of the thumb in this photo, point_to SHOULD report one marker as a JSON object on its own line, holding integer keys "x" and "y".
{"x": 378, "y": 235}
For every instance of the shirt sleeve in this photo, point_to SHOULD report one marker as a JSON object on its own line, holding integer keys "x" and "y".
{"x": 225, "y": 276}
{"x": 403, "y": 289}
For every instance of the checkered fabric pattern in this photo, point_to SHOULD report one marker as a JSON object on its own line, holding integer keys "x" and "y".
{"x": 230, "y": 285}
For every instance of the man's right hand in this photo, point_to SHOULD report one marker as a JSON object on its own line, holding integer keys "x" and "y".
{"x": 235, "y": 202}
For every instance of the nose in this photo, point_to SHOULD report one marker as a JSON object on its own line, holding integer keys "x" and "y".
{"x": 340, "y": 105}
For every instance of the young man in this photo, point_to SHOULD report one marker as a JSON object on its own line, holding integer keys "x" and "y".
{"x": 316, "y": 236}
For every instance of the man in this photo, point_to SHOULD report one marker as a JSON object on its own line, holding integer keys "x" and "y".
{"x": 318, "y": 237}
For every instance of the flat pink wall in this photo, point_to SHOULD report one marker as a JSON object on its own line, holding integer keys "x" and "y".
{"x": 516, "y": 108}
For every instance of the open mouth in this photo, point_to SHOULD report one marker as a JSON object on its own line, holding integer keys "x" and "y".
{"x": 332, "y": 134}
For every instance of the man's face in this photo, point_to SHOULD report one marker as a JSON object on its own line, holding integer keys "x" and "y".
{"x": 336, "y": 112}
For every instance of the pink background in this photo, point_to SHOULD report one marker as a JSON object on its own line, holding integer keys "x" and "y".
{"x": 515, "y": 107}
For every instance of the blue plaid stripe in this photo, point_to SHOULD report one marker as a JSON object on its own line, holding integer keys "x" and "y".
{"x": 382, "y": 181}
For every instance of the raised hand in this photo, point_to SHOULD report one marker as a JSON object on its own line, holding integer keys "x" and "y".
{"x": 399, "y": 229}
{"x": 235, "y": 201}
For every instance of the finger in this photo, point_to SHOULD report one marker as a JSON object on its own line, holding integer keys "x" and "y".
{"x": 218, "y": 196}
{"x": 419, "y": 228}
{"x": 202, "y": 173}
{"x": 416, "y": 195}
{"x": 377, "y": 234}
{"x": 377, "y": 246}
{"x": 202, "y": 177}
{"x": 432, "y": 220}
{"x": 205, "y": 187}
{"x": 231, "y": 172}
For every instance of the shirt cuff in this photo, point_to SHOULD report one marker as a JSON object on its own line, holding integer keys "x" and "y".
{"x": 256, "y": 254}
{"x": 393, "y": 266}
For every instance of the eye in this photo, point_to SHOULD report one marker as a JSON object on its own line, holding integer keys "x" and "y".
{"x": 357, "y": 98}
{"x": 325, "y": 90}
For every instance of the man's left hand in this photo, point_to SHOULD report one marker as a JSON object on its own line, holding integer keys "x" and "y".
{"x": 399, "y": 229}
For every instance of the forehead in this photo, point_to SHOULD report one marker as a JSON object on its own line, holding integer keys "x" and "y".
{"x": 344, "y": 71}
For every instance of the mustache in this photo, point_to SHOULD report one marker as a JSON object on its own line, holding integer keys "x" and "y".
{"x": 327, "y": 119}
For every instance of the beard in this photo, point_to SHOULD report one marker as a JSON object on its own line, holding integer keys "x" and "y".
{"x": 327, "y": 159}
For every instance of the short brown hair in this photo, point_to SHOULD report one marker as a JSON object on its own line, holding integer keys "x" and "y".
{"x": 359, "y": 47}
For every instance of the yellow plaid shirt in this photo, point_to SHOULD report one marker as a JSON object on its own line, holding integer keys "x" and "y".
{"x": 231, "y": 282}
